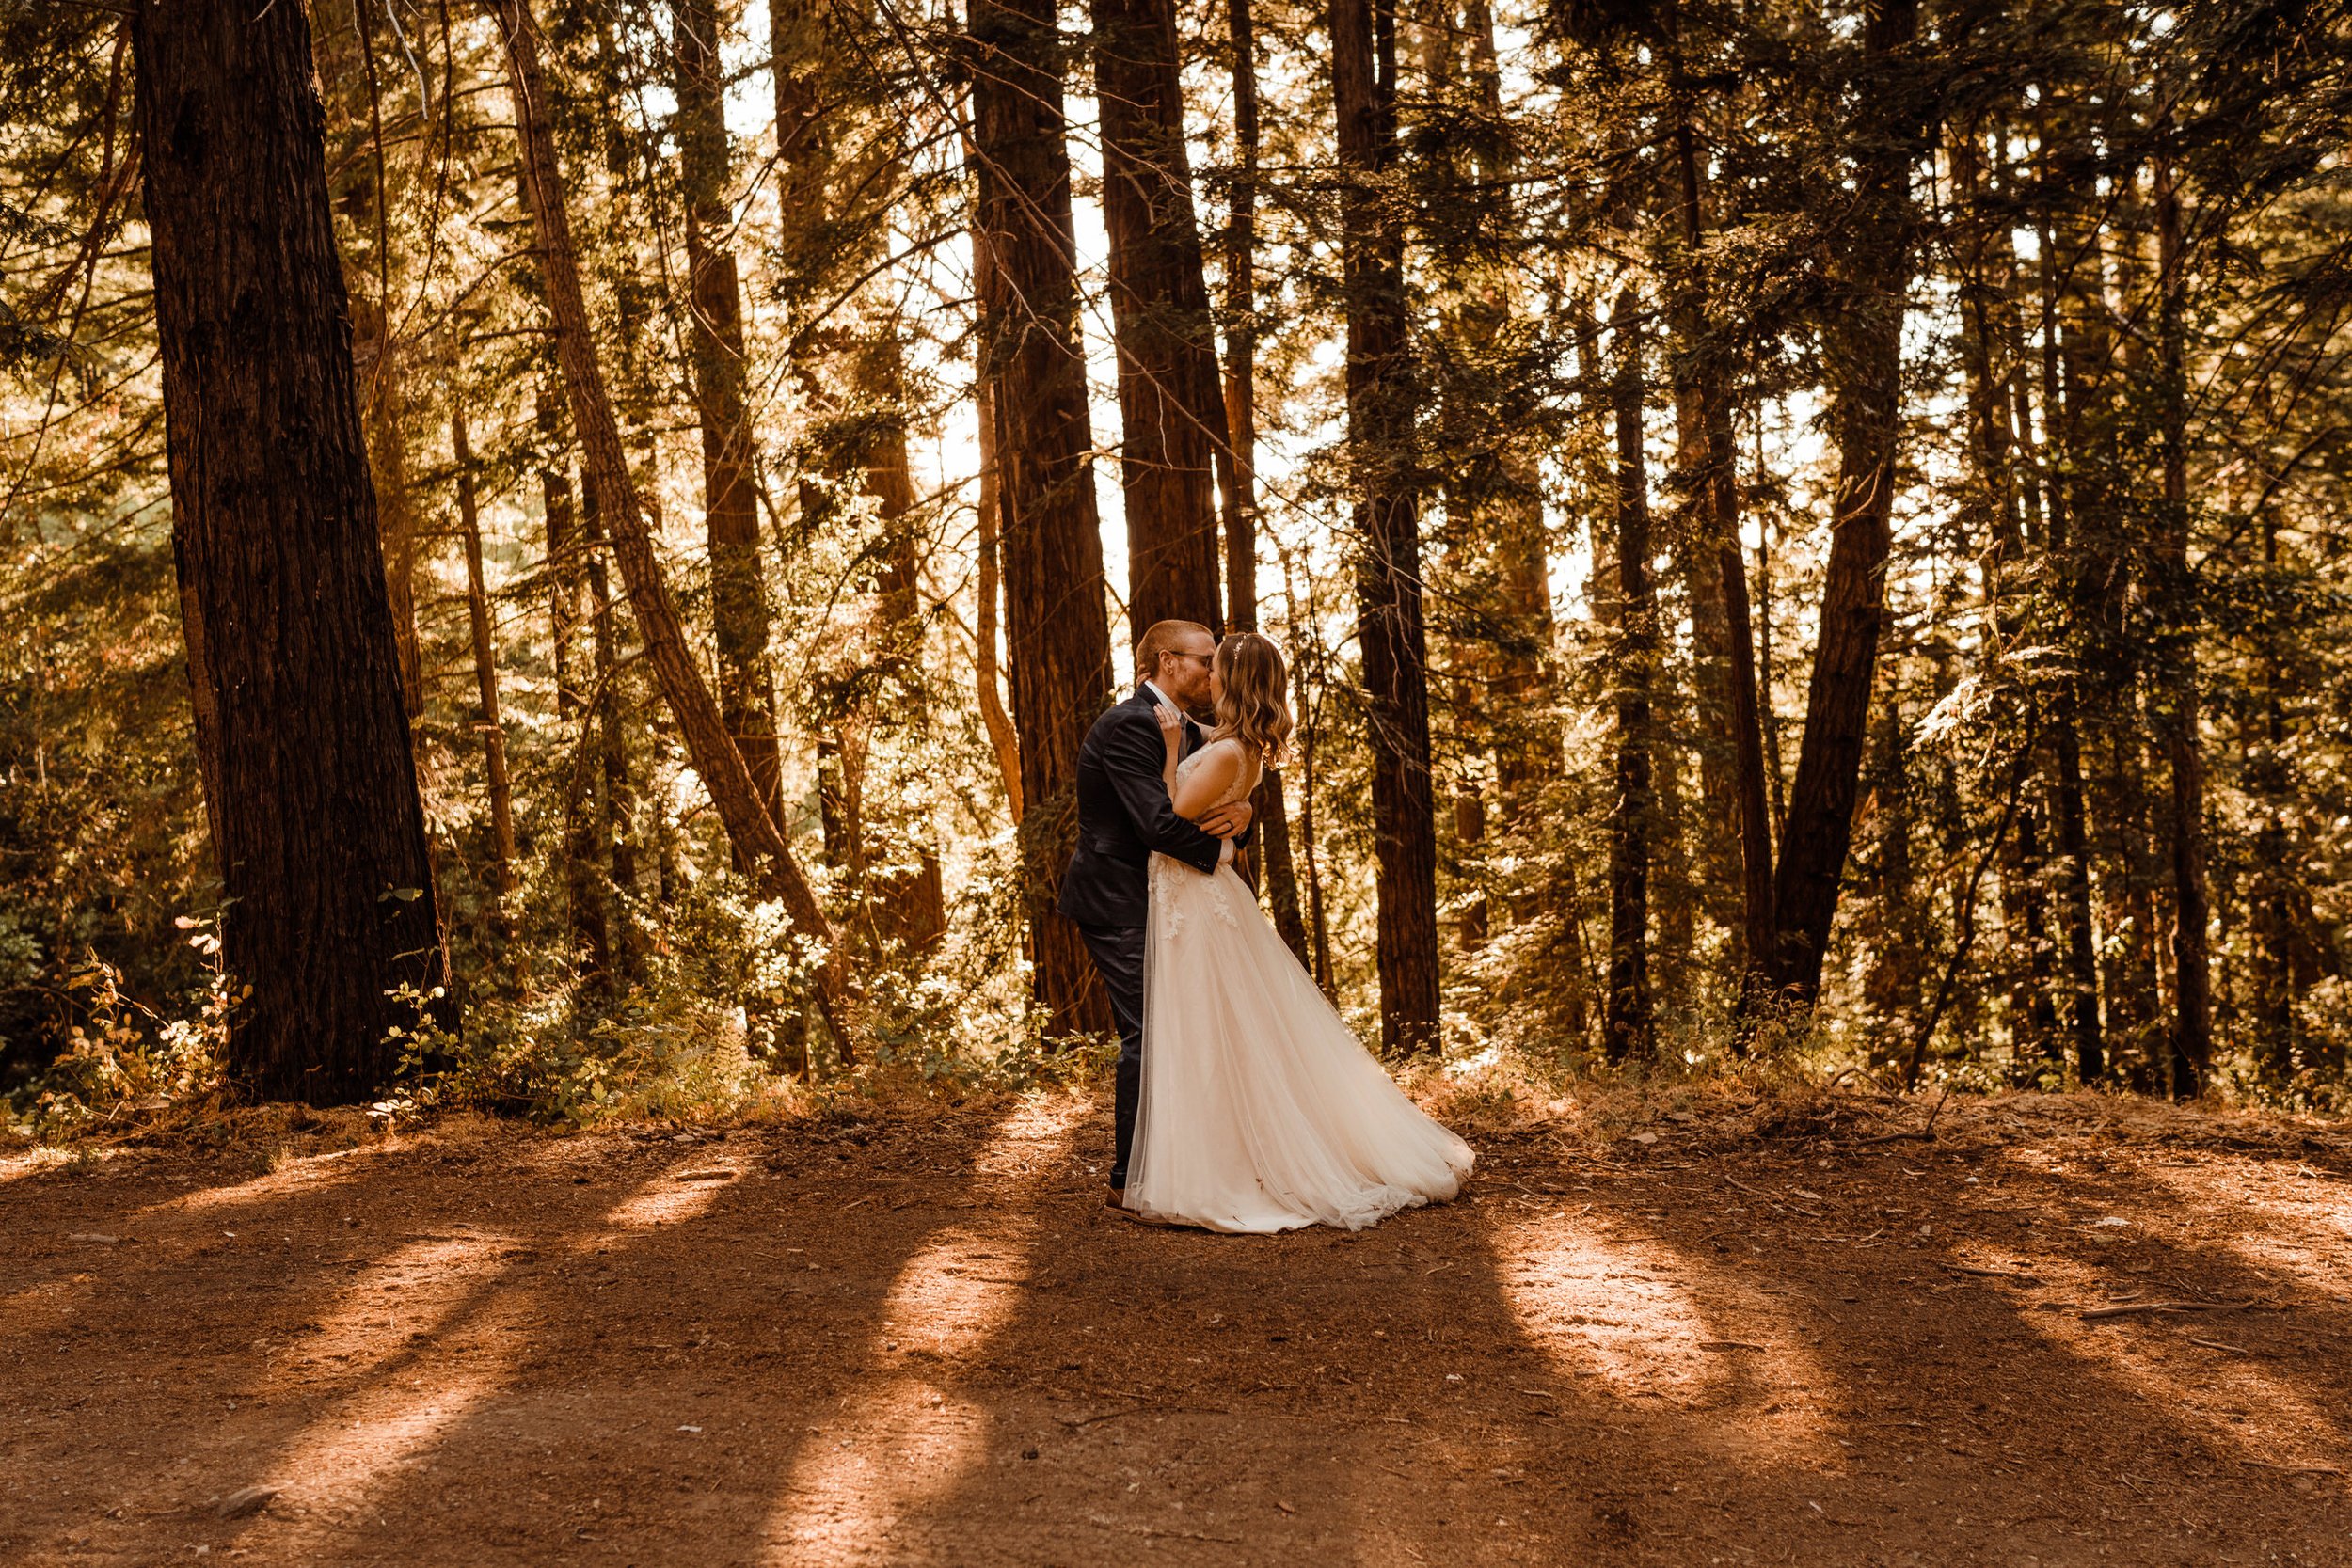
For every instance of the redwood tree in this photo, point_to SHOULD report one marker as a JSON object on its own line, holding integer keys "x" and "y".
{"x": 1237, "y": 478}
{"x": 330, "y": 926}
{"x": 1389, "y": 618}
{"x": 1049, "y": 533}
{"x": 1863, "y": 342}
{"x": 738, "y": 597}
{"x": 1172, "y": 413}
{"x": 1628, "y": 1020}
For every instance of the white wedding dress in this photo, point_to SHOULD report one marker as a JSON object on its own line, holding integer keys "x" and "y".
{"x": 1260, "y": 1110}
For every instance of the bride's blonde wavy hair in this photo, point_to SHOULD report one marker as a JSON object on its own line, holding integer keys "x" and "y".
{"x": 1255, "y": 706}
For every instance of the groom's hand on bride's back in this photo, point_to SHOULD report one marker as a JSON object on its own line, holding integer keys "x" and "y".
{"x": 1226, "y": 821}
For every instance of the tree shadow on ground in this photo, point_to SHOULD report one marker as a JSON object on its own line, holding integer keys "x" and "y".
{"x": 924, "y": 1342}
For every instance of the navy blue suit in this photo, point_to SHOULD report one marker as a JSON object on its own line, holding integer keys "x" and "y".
{"x": 1125, "y": 813}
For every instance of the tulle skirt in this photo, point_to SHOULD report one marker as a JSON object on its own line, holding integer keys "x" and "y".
{"x": 1260, "y": 1110}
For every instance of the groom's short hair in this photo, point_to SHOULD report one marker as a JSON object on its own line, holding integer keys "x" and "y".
{"x": 1161, "y": 637}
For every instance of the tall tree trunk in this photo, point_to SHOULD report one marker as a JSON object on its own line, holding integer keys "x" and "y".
{"x": 911, "y": 904}
{"x": 396, "y": 501}
{"x": 331, "y": 918}
{"x": 591, "y": 933}
{"x": 1171, "y": 412}
{"x": 1050, "y": 537}
{"x": 1628, "y": 1029}
{"x": 1891, "y": 989}
{"x": 754, "y": 833}
{"x": 1318, "y": 917}
{"x": 1768, "y": 718}
{"x": 1389, "y": 622}
{"x": 2038, "y": 1031}
{"x": 1237, "y": 466}
{"x": 1999, "y": 501}
{"x": 618, "y": 841}
{"x": 485, "y": 676}
{"x": 1001, "y": 739}
{"x": 203, "y": 688}
{"x": 1706, "y": 513}
{"x": 2276, "y": 873}
{"x": 1720, "y": 578}
{"x": 1866, "y": 351}
{"x": 2045, "y": 500}
{"x": 1237, "y": 459}
{"x": 2192, "y": 1026}
{"x": 738, "y": 595}
{"x": 1526, "y": 736}
{"x": 2082, "y": 972}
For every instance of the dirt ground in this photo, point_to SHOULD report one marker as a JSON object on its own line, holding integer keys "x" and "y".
{"x": 916, "y": 1338}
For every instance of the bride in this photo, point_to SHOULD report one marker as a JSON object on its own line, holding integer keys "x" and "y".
{"x": 1261, "y": 1111}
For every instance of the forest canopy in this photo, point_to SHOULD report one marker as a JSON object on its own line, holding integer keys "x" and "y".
{"x": 1804, "y": 530}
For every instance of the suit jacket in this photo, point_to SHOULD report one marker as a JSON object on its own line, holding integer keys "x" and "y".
{"x": 1123, "y": 815}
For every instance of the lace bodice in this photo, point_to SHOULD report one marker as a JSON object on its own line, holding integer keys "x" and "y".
{"x": 1168, "y": 913}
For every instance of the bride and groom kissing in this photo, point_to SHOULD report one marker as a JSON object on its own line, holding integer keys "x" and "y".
{"x": 1242, "y": 1102}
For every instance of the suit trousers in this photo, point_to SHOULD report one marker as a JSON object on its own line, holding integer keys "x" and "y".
{"x": 1117, "y": 952}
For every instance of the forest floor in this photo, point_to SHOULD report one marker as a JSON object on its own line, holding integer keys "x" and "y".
{"x": 1729, "y": 1333}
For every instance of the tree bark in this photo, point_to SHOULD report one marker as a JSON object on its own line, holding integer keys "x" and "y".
{"x": 738, "y": 595}
{"x": 2082, "y": 970}
{"x": 396, "y": 501}
{"x": 1389, "y": 622}
{"x": 1627, "y": 1027}
{"x": 1171, "y": 411}
{"x": 1864, "y": 340}
{"x": 1237, "y": 459}
{"x": 734, "y": 792}
{"x": 331, "y": 919}
{"x": 2044, "y": 499}
{"x": 617, "y": 797}
{"x": 1001, "y": 739}
{"x": 2278, "y": 872}
{"x": 2192, "y": 1024}
{"x": 1318, "y": 919}
{"x": 1717, "y": 559}
{"x": 1059, "y": 642}
{"x": 485, "y": 676}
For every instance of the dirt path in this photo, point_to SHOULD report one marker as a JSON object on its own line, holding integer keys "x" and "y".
{"x": 920, "y": 1341}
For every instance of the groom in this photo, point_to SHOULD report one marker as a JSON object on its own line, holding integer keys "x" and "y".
{"x": 1125, "y": 813}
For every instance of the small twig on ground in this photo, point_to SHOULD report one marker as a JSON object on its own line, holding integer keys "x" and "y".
{"x": 2128, "y": 1308}
{"x": 1990, "y": 1274}
{"x": 1925, "y": 1133}
{"x": 2293, "y": 1470}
